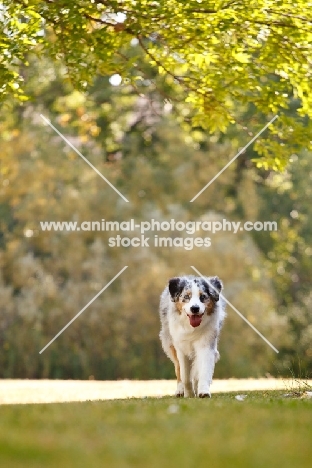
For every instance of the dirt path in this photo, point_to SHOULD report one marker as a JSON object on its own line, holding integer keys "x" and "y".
{"x": 52, "y": 391}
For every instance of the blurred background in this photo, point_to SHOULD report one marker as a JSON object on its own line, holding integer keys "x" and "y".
{"x": 153, "y": 156}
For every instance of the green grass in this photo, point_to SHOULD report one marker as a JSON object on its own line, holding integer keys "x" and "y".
{"x": 266, "y": 430}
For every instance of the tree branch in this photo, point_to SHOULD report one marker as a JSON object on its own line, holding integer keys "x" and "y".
{"x": 280, "y": 13}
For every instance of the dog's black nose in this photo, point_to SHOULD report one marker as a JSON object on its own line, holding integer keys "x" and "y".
{"x": 195, "y": 309}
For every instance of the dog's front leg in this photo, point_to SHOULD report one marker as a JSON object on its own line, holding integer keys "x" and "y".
{"x": 185, "y": 370}
{"x": 205, "y": 362}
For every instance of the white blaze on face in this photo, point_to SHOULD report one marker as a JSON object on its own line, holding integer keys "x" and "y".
{"x": 194, "y": 301}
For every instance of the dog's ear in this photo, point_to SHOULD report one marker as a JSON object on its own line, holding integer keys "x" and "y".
{"x": 176, "y": 286}
{"x": 214, "y": 287}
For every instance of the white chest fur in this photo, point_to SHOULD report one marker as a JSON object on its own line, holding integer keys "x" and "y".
{"x": 185, "y": 337}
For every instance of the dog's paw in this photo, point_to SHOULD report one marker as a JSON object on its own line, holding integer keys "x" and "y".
{"x": 179, "y": 393}
{"x": 204, "y": 395}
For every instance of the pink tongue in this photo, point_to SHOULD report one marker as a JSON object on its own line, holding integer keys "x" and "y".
{"x": 195, "y": 320}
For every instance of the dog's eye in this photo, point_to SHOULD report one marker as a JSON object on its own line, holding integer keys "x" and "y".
{"x": 202, "y": 297}
{"x": 187, "y": 297}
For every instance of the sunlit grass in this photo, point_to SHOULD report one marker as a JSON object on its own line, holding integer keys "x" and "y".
{"x": 267, "y": 429}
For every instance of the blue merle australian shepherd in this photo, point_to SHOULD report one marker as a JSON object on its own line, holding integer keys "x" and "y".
{"x": 192, "y": 314}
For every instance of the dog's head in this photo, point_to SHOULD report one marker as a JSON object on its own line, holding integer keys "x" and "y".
{"x": 195, "y": 296}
